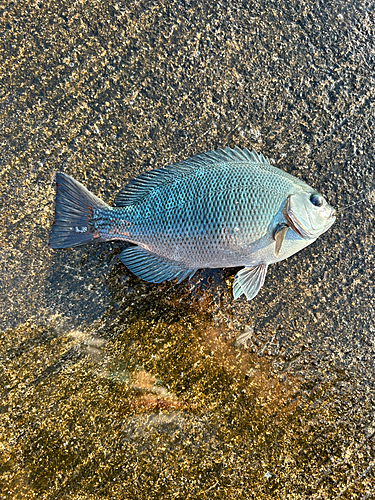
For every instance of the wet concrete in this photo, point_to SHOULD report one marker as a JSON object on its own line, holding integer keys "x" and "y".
{"x": 115, "y": 388}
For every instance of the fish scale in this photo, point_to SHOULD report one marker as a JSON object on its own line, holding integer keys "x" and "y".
{"x": 223, "y": 208}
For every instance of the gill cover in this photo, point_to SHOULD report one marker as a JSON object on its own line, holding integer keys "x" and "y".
{"x": 308, "y": 214}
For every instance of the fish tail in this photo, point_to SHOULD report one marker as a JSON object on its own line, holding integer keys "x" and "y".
{"x": 74, "y": 209}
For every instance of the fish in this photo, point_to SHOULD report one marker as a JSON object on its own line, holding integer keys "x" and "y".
{"x": 219, "y": 209}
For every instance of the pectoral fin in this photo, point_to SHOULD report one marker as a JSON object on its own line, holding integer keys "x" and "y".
{"x": 279, "y": 236}
{"x": 249, "y": 281}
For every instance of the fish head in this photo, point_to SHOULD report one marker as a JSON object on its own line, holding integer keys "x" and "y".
{"x": 308, "y": 214}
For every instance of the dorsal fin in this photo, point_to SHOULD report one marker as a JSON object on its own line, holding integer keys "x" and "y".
{"x": 236, "y": 154}
{"x": 141, "y": 186}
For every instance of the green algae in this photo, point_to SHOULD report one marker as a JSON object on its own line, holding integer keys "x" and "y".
{"x": 145, "y": 405}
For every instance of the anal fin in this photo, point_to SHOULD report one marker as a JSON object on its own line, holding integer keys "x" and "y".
{"x": 249, "y": 281}
{"x": 153, "y": 268}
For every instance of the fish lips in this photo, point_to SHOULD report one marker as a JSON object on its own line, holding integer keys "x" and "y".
{"x": 305, "y": 228}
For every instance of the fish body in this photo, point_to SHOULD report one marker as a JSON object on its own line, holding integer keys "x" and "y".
{"x": 224, "y": 208}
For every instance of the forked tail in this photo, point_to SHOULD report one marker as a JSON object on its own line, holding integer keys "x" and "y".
{"x": 74, "y": 208}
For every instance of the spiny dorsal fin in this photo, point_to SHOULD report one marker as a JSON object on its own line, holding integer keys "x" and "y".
{"x": 236, "y": 154}
{"x": 141, "y": 186}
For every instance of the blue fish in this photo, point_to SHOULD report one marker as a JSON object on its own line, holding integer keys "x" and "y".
{"x": 224, "y": 208}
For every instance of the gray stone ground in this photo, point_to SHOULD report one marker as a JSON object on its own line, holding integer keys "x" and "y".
{"x": 113, "y": 388}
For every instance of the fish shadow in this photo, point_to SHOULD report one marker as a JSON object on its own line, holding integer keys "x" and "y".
{"x": 83, "y": 282}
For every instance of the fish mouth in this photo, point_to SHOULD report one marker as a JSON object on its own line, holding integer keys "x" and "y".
{"x": 300, "y": 228}
{"x": 331, "y": 218}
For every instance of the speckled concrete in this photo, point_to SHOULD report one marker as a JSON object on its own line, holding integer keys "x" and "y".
{"x": 113, "y": 388}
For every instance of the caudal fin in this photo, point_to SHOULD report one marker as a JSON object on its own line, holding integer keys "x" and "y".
{"x": 74, "y": 206}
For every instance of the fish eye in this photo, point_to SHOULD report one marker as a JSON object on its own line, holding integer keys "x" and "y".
{"x": 317, "y": 200}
